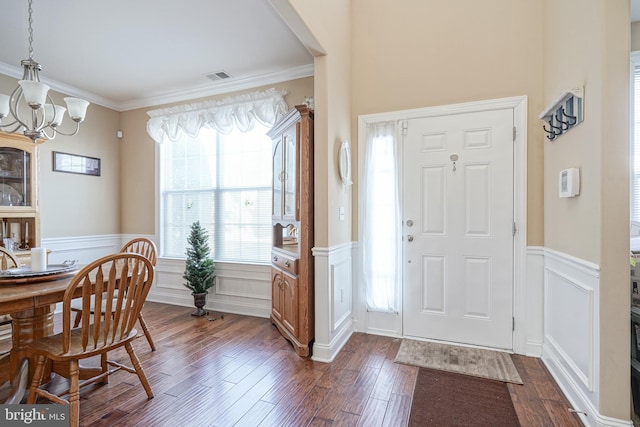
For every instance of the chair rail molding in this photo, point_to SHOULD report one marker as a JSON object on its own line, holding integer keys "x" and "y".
{"x": 85, "y": 249}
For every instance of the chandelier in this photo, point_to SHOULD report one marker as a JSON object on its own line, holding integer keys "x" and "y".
{"x": 30, "y": 106}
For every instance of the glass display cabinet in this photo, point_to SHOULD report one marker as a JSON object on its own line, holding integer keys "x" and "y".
{"x": 19, "y": 217}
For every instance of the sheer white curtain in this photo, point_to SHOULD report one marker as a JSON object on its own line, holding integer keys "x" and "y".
{"x": 381, "y": 222}
{"x": 239, "y": 112}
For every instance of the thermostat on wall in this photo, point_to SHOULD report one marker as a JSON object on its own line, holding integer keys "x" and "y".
{"x": 569, "y": 184}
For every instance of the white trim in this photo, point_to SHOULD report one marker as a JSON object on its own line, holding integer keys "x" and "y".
{"x": 292, "y": 18}
{"x": 534, "y": 332}
{"x": 519, "y": 106}
{"x": 16, "y": 73}
{"x": 444, "y": 110}
{"x": 240, "y": 288}
{"x": 581, "y": 265}
{"x": 571, "y": 332}
{"x": 219, "y": 88}
{"x": 246, "y": 289}
{"x": 84, "y": 249}
{"x": 222, "y": 87}
{"x": 333, "y": 293}
{"x": 586, "y": 377}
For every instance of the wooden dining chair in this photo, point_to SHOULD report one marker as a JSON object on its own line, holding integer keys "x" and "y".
{"x": 146, "y": 248}
{"x": 7, "y": 259}
{"x": 129, "y": 276}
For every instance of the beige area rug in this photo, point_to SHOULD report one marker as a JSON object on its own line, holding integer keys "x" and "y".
{"x": 463, "y": 360}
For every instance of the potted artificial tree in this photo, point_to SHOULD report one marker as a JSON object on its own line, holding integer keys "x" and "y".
{"x": 199, "y": 267}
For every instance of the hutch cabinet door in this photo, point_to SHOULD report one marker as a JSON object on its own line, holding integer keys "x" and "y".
{"x": 15, "y": 177}
{"x": 276, "y": 291}
{"x": 19, "y": 216}
{"x": 278, "y": 174}
{"x": 291, "y": 176}
{"x": 290, "y": 303}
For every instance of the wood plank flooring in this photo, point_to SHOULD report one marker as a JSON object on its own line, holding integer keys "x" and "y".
{"x": 239, "y": 371}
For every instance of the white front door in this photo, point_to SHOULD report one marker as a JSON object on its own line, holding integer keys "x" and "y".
{"x": 458, "y": 218}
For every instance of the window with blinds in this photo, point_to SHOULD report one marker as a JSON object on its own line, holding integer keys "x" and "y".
{"x": 224, "y": 181}
{"x": 635, "y": 149}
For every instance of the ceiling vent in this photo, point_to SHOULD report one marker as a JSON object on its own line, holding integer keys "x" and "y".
{"x": 219, "y": 75}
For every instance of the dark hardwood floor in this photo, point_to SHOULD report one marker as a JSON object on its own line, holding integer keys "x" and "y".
{"x": 239, "y": 371}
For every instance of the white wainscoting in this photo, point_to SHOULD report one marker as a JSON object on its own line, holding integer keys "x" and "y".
{"x": 85, "y": 249}
{"x": 571, "y": 331}
{"x": 532, "y": 312}
{"x": 333, "y": 300}
{"x": 241, "y": 289}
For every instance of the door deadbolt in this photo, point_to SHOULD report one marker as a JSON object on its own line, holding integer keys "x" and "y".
{"x": 409, "y": 223}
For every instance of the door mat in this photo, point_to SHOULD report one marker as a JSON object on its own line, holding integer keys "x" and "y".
{"x": 476, "y": 362}
{"x": 446, "y": 399}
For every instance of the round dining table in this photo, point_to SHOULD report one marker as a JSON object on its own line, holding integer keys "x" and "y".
{"x": 29, "y": 298}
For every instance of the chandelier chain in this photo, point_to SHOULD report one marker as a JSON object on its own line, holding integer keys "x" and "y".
{"x": 30, "y": 31}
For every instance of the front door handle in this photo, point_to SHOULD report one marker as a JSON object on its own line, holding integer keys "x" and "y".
{"x": 410, "y": 238}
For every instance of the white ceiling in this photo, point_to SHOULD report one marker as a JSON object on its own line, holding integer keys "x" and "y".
{"x": 127, "y": 54}
{"x": 635, "y": 10}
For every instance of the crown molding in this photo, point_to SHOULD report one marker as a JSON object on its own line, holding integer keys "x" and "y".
{"x": 235, "y": 84}
{"x": 16, "y": 72}
{"x": 221, "y": 87}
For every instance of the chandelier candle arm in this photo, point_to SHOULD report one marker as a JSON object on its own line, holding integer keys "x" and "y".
{"x": 45, "y": 115}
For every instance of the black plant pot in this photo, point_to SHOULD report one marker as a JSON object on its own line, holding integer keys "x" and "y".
{"x": 199, "y": 299}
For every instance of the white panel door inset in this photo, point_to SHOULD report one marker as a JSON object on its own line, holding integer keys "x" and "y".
{"x": 458, "y": 218}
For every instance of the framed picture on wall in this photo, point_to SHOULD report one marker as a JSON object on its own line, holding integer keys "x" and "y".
{"x": 75, "y": 163}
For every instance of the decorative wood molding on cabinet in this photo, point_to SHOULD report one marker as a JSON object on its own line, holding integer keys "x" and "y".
{"x": 292, "y": 272}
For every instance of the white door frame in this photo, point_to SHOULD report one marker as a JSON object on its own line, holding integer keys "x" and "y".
{"x": 368, "y": 321}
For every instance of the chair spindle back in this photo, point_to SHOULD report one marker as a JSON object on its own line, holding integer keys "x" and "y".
{"x": 118, "y": 284}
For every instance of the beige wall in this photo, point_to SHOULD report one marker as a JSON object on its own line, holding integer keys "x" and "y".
{"x": 595, "y": 225}
{"x": 137, "y": 158}
{"x": 429, "y": 53}
{"x": 80, "y": 205}
{"x": 330, "y": 24}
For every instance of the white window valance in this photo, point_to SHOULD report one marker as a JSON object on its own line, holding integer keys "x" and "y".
{"x": 240, "y": 111}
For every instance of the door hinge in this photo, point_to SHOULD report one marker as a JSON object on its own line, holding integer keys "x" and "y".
{"x": 513, "y": 323}
{"x": 405, "y": 126}
{"x": 514, "y": 134}
{"x": 514, "y": 229}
